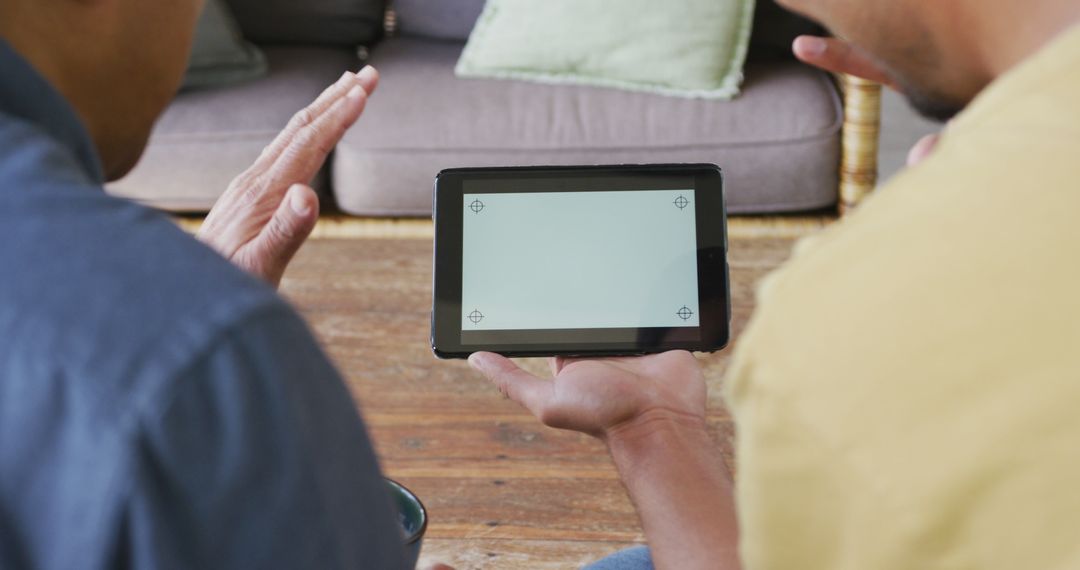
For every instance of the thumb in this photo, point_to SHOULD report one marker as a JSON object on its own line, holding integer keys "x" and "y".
{"x": 515, "y": 383}
{"x": 286, "y": 231}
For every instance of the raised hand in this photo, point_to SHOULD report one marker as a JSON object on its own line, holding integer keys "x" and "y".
{"x": 268, "y": 212}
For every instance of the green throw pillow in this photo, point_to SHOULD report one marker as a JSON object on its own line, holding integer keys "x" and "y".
{"x": 220, "y": 56}
{"x": 691, "y": 48}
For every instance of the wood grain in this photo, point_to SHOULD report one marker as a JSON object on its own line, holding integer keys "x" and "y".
{"x": 486, "y": 553}
{"x": 502, "y": 490}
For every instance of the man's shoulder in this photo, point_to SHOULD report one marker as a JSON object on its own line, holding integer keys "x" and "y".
{"x": 940, "y": 250}
{"x": 918, "y": 355}
{"x": 952, "y": 281}
{"x": 915, "y": 359}
{"x": 29, "y": 155}
{"x": 106, "y": 296}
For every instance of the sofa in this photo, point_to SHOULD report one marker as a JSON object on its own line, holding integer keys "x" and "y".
{"x": 779, "y": 142}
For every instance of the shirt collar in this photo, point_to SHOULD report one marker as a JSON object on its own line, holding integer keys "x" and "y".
{"x": 25, "y": 94}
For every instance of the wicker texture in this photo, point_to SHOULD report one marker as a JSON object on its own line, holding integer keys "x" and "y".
{"x": 862, "y": 129}
{"x": 338, "y": 226}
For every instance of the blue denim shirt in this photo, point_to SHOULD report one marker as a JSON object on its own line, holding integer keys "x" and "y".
{"x": 159, "y": 408}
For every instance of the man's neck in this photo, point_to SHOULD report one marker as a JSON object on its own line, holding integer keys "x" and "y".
{"x": 67, "y": 63}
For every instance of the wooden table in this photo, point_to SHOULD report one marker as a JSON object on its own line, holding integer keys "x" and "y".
{"x": 502, "y": 491}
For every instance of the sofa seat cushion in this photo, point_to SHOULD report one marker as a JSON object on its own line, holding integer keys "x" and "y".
{"x": 208, "y": 137}
{"x": 778, "y": 143}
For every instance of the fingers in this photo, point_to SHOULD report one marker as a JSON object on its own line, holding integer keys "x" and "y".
{"x": 559, "y": 363}
{"x": 367, "y": 79}
{"x": 308, "y": 149}
{"x": 517, "y": 384}
{"x": 306, "y": 116}
{"x": 838, "y": 56}
{"x": 632, "y": 364}
{"x": 922, "y": 149}
{"x": 288, "y": 229}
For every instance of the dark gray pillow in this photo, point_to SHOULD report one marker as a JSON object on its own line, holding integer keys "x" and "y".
{"x": 318, "y": 22}
{"x": 775, "y": 29}
{"x": 439, "y": 19}
{"x": 220, "y": 56}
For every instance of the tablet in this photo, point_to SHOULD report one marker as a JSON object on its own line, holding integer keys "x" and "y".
{"x": 580, "y": 261}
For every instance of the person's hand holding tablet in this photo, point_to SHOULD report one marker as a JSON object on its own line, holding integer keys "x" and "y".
{"x": 604, "y": 396}
{"x": 600, "y": 261}
{"x": 580, "y": 261}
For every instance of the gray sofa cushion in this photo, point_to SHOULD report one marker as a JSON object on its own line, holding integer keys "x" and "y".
{"x": 316, "y": 22}
{"x": 778, "y": 143}
{"x": 775, "y": 28}
{"x": 206, "y": 138}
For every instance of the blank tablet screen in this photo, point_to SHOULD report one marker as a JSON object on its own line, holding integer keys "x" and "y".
{"x": 579, "y": 260}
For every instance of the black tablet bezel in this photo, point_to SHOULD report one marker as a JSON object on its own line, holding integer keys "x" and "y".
{"x": 714, "y": 298}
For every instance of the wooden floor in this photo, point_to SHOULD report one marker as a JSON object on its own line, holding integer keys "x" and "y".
{"x": 501, "y": 490}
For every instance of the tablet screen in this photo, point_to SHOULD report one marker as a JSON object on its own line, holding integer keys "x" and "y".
{"x": 578, "y": 260}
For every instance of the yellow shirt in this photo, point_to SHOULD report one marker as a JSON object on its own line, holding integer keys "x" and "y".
{"x": 908, "y": 394}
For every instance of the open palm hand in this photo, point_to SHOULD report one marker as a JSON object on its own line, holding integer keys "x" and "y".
{"x": 599, "y": 396}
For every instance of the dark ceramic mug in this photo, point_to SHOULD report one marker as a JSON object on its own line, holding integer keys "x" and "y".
{"x": 412, "y": 516}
